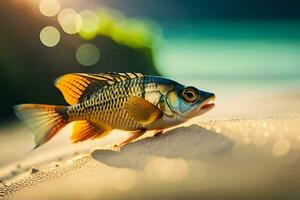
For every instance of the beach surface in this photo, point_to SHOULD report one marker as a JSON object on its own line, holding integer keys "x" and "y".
{"x": 246, "y": 148}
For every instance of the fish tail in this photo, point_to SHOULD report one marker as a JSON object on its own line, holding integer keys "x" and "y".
{"x": 45, "y": 121}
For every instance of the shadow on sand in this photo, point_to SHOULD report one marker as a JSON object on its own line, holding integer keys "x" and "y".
{"x": 192, "y": 142}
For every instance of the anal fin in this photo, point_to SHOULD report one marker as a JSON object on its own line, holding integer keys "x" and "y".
{"x": 83, "y": 130}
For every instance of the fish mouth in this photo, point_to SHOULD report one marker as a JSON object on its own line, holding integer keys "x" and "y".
{"x": 207, "y": 105}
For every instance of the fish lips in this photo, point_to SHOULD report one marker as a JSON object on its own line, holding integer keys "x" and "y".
{"x": 207, "y": 105}
{"x": 202, "y": 108}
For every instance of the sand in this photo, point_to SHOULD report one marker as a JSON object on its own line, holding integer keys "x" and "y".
{"x": 251, "y": 152}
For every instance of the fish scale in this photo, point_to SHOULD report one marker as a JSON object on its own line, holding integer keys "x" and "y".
{"x": 113, "y": 106}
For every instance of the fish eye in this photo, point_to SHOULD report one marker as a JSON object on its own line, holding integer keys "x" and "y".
{"x": 190, "y": 94}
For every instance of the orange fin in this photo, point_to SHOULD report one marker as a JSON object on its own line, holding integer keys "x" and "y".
{"x": 135, "y": 136}
{"x": 142, "y": 110}
{"x": 84, "y": 130}
{"x": 43, "y": 120}
{"x": 76, "y": 87}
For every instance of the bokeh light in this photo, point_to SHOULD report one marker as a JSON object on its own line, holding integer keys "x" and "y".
{"x": 124, "y": 179}
{"x": 90, "y": 24}
{"x": 49, "y": 36}
{"x": 87, "y": 54}
{"x": 49, "y": 8}
{"x": 281, "y": 148}
{"x": 70, "y": 20}
{"x": 170, "y": 170}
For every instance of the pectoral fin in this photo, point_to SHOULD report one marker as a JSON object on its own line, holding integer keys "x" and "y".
{"x": 142, "y": 110}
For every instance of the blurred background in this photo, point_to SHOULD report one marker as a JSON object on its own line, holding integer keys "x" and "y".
{"x": 247, "y": 52}
{"x": 209, "y": 43}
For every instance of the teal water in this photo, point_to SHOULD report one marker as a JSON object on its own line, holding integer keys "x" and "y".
{"x": 231, "y": 50}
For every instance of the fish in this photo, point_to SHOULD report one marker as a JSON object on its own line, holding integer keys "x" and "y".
{"x": 100, "y": 103}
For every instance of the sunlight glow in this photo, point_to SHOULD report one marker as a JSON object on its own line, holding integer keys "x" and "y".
{"x": 49, "y": 8}
{"x": 49, "y": 36}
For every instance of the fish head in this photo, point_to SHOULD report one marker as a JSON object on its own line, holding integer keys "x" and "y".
{"x": 186, "y": 102}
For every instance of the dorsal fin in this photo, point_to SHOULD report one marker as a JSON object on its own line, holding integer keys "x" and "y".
{"x": 75, "y": 87}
